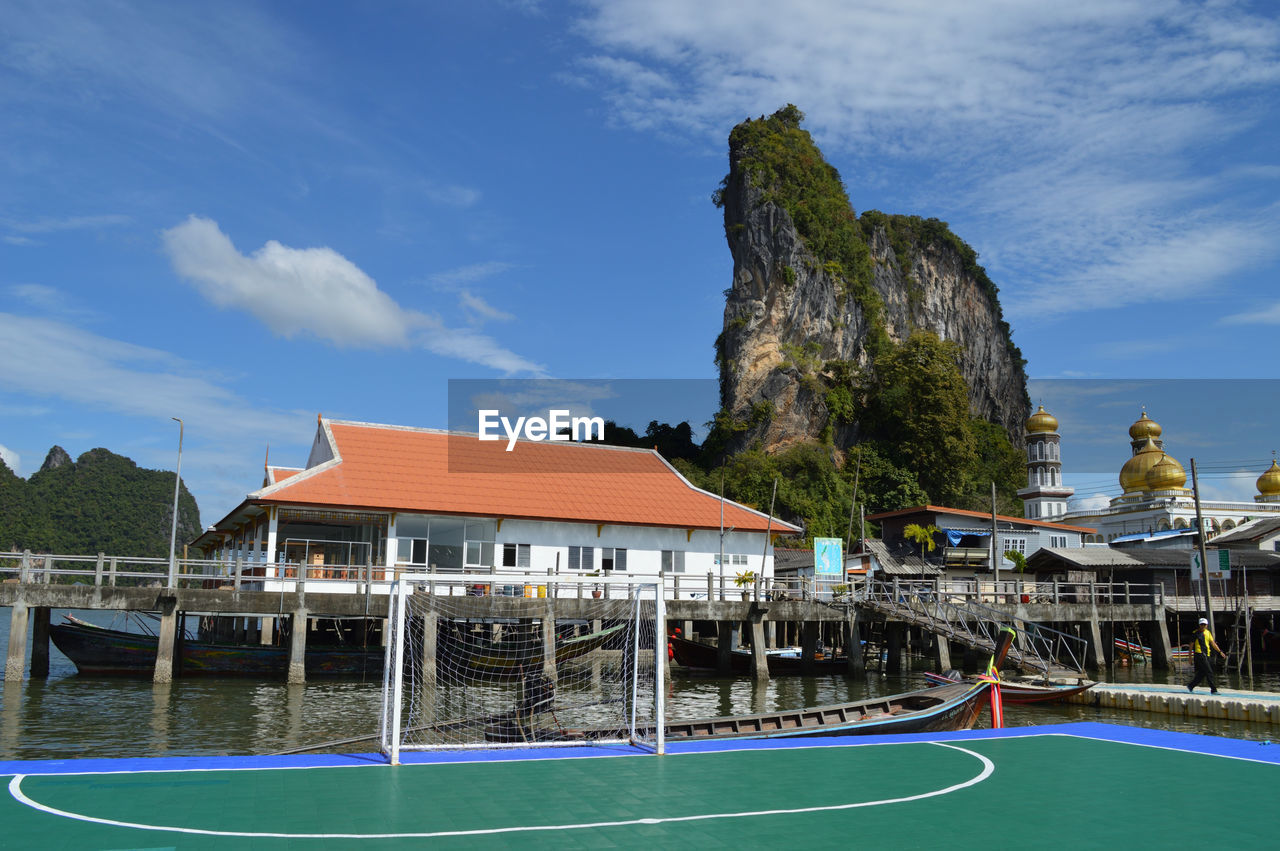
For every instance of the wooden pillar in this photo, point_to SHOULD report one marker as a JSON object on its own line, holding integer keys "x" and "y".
{"x": 298, "y": 646}
{"x": 40, "y": 642}
{"x": 808, "y": 645}
{"x": 942, "y": 652}
{"x": 853, "y": 645}
{"x": 16, "y": 661}
{"x": 1098, "y": 657}
{"x": 163, "y": 672}
{"x": 759, "y": 658}
{"x": 724, "y": 647}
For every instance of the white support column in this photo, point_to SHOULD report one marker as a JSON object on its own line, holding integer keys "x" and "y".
{"x": 273, "y": 527}
{"x": 393, "y": 546}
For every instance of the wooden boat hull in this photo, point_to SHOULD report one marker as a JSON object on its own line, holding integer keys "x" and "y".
{"x": 941, "y": 709}
{"x": 697, "y": 656}
{"x": 1011, "y": 692}
{"x": 109, "y": 652}
{"x": 492, "y": 664}
{"x": 1140, "y": 653}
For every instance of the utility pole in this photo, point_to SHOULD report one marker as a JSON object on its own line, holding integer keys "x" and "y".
{"x": 1204, "y": 555}
{"x": 173, "y": 531}
{"x": 995, "y": 561}
{"x": 848, "y": 538}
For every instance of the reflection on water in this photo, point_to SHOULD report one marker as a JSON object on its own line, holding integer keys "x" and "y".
{"x": 69, "y": 716}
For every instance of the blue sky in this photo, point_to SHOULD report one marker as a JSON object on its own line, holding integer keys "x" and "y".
{"x": 245, "y": 214}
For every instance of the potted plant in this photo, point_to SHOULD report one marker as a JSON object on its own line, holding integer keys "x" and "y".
{"x": 839, "y": 592}
{"x": 596, "y": 591}
{"x": 744, "y": 580}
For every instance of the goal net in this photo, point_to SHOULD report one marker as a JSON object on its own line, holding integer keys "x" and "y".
{"x": 493, "y": 662}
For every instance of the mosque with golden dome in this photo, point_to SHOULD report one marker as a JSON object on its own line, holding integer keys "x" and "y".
{"x": 1155, "y": 494}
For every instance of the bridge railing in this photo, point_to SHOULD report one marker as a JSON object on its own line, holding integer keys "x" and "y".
{"x": 1012, "y": 591}
{"x": 971, "y": 622}
{"x": 254, "y": 575}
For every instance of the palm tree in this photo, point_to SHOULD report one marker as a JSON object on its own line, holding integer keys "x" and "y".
{"x": 922, "y": 535}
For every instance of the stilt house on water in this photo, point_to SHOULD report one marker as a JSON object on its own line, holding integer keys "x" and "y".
{"x": 387, "y": 499}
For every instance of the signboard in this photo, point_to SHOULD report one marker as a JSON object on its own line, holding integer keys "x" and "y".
{"x": 1219, "y": 564}
{"x": 828, "y": 556}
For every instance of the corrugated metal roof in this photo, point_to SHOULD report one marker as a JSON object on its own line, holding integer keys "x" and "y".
{"x": 1083, "y": 557}
{"x": 1254, "y": 530}
{"x": 899, "y": 565}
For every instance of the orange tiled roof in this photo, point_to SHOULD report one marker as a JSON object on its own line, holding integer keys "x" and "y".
{"x": 421, "y": 470}
{"x": 276, "y": 475}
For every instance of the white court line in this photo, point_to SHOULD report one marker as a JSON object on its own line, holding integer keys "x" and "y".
{"x": 15, "y": 789}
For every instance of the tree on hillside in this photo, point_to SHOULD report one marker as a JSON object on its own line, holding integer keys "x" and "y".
{"x": 915, "y": 404}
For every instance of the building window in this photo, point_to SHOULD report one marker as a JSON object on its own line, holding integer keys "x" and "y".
{"x": 613, "y": 558}
{"x": 733, "y": 560}
{"x": 1057, "y": 540}
{"x": 582, "y": 558}
{"x": 1018, "y": 545}
{"x": 515, "y": 555}
{"x": 673, "y": 561}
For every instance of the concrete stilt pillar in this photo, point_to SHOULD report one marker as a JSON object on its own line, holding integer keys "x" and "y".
{"x": 298, "y": 647}
{"x": 853, "y": 645}
{"x": 16, "y": 662}
{"x": 549, "y": 643}
{"x": 759, "y": 658}
{"x": 724, "y": 646}
{"x": 430, "y": 638}
{"x": 266, "y": 632}
{"x": 894, "y": 633}
{"x": 808, "y": 645}
{"x": 40, "y": 642}
{"x": 163, "y": 672}
{"x": 1161, "y": 648}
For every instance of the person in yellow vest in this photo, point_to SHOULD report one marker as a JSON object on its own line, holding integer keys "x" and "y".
{"x": 1202, "y": 645}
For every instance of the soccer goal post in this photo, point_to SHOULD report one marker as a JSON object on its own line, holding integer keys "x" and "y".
{"x": 496, "y": 662}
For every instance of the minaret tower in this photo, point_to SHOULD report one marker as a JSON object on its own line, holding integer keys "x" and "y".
{"x": 1044, "y": 497}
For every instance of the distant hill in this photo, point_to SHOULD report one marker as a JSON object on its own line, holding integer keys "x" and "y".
{"x": 101, "y": 502}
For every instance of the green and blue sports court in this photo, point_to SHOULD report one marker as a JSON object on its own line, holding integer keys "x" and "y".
{"x": 1080, "y": 785}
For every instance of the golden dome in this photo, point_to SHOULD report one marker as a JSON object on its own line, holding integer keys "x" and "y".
{"x": 1166, "y": 474}
{"x": 1133, "y": 475}
{"x": 1269, "y": 482}
{"x": 1145, "y": 427}
{"x": 1041, "y": 422}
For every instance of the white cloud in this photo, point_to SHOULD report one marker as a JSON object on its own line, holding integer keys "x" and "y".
{"x": 51, "y": 225}
{"x": 37, "y": 295}
{"x": 470, "y": 274}
{"x": 1261, "y": 316}
{"x": 1066, "y": 142}
{"x": 481, "y": 309}
{"x": 1096, "y": 502}
{"x": 11, "y": 459}
{"x": 292, "y": 291}
{"x": 318, "y": 292}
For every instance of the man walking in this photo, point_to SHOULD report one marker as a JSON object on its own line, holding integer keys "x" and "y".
{"x": 1202, "y": 644}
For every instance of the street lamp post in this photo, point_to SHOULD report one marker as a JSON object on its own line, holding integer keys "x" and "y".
{"x": 173, "y": 532}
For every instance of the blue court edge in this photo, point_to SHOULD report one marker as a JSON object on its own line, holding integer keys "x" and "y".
{"x": 1190, "y": 742}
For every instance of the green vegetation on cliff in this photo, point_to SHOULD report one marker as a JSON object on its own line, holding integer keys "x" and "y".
{"x": 780, "y": 158}
{"x": 101, "y": 503}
